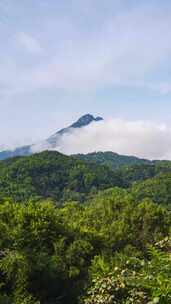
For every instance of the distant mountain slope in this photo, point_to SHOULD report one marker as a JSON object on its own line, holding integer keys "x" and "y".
{"x": 141, "y": 172}
{"x": 21, "y": 151}
{"x": 51, "y": 142}
{"x": 54, "y": 175}
{"x": 113, "y": 160}
{"x": 129, "y": 168}
{"x": 50, "y": 174}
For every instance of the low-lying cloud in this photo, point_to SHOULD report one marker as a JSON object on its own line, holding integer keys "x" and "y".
{"x": 139, "y": 138}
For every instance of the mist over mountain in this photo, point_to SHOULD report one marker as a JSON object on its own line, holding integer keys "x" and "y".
{"x": 90, "y": 134}
{"x": 52, "y": 142}
{"x": 83, "y": 121}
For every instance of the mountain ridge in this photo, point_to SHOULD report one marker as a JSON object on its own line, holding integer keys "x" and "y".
{"x": 112, "y": 159}
{"x": 83, "y": 121}
{"x": 51, "y": 141}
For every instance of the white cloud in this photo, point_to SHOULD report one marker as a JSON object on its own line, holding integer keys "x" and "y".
{"x": 140, "y": 138}
{"x": 127, "y": 48}
{"x": 81, "y": 49}
{"x": 125, "y": 51}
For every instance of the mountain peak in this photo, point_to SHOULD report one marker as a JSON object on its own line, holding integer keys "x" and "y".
{"x": 52, "y": 141}
{"x": 85, "y": 120}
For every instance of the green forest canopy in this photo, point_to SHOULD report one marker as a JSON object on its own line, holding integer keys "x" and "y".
{"x": 113, "y": 248}
{"x": 63, "y": 178}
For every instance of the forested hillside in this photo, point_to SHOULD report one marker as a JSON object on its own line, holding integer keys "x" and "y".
{"x": 77, "y": 232}
{"x": 63, "y": 178}
{"x": 111, "y": 159}
{"x": 53, "y": 175}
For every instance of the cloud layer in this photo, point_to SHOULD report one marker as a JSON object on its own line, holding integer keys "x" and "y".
{"x": 61, "y": 59}
{"x": 139, "y": 138}
{"x": 123, "y": 45}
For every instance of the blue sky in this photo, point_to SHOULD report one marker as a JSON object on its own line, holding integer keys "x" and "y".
{"x": 62, "y": 59}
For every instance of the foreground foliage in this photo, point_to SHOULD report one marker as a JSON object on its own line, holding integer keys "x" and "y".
{"x": 135, "y": 281}
{"x": 112, "y": 249}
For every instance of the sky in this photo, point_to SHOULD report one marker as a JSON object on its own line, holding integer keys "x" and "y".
{"x": 62, "y": 59}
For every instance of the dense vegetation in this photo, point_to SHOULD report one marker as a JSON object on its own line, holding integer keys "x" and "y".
{"x": 63, "y": 178}
{"x": 113, "y": 249}
{"x": 157, "y": 188}
{"x": 113, "y": 160}
{"x": 69, "y": 254}
{"x": 141, "y": 172}
{"x": 54, "y": 175}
